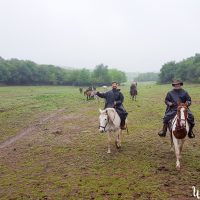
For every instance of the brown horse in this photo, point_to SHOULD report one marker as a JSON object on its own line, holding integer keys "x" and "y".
{"x": 81, "y": 90}
{"x": 133, "y": 91}
{"x": 179, "y": 129}
{"x": 90, "y": 94}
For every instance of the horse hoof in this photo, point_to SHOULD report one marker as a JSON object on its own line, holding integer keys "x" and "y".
{"x": 178, "y": 168}
{"x": 108, "y": 152}
{"x": 118, "y": 146}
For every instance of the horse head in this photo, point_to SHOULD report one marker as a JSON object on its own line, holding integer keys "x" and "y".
{"x": 182, "y": 114}
{"x": 108, "y": 120}
{"x": 103, "y": 120}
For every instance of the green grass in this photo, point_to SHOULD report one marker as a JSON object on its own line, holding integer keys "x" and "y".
{"x": 74, "y": 164}
{"x": 21, "y": 106}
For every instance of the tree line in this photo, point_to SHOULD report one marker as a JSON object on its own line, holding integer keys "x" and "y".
{"x": 187, "y": 70}
{"x": 25, "y": 72}
{"x": 148, "y": 76}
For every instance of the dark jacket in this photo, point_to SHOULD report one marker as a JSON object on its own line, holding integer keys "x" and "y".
{"x": 114, "y": 96}
{"x": 174, "y": 97}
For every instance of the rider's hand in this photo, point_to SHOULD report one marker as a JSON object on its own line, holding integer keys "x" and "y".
{"x": 187, "y": 103}
{"x": 170, "y": 104}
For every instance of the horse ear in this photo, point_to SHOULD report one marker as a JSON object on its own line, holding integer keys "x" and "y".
{"x": 100, "y": 110}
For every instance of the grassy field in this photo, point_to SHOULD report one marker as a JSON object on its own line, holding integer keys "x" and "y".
{"x": 58, "y": 153}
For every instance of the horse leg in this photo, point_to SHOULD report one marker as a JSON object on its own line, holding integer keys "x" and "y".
{"x": 109, "y": 141}
{"x": 177, "y": 153}
{"x": 172, "y": 145}
{"x": 118, "y": 139}
{"x": 181, "y": 145}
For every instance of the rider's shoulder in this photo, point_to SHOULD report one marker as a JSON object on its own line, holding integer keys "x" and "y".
{"x": 170, "y": 92}
{"x": 186, "y": 92}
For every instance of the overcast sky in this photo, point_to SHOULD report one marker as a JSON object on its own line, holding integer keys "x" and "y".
{"x": 130, "y": 35}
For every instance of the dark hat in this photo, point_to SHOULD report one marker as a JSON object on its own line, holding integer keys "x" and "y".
{"x": 176, "y": 82}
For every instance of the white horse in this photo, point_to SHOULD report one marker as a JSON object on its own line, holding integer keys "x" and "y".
{"x": 109, "y": 122}
{"x": 179, "y": 129}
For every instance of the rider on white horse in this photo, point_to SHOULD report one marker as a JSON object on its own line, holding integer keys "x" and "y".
{"x": 175, "y": 96}
{"x": 114, "y": 99}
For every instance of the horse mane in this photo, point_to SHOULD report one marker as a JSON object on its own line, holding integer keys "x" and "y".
{"x": 112, "y": 114}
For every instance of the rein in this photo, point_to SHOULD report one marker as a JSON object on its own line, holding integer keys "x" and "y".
{"x": 179, "y": 118}
{"x": 104, "y": 127}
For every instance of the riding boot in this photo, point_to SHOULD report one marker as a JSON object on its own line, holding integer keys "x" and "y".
{"x": 122, "y": 125}
{"x": 163, "y": 132}
{"x": 190, "y": 133}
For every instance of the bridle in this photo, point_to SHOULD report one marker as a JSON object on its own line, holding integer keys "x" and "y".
{"x": 104, "y": 127}
{"x": 179, "y": 119}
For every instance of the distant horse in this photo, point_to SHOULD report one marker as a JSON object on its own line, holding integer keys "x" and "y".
{"x": 109, "y": 121}
{"x": 90, "y": 94}
{"x": 133, "y": 91}
{"x": 105, "y": 88}
{"x": 81, "y": 90}
{"x": 179, "y": 129}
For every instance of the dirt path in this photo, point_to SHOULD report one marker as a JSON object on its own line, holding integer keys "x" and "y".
{"x": 30, "y": 129}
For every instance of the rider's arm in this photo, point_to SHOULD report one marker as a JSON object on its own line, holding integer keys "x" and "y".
{"x": 102, "y": 95}
{"x": 168, "y": 100}
{"x": 188, "y": 99}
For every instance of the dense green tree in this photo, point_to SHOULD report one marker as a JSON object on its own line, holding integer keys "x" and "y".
{"x": 100, "y": 75}
{"x": 20, "y": 72}
{"x": 148, "y": 76}
{"x": 167, "y": 72}
{"x": 187, "y": 70}
{"x": 116, "y": 75}
{"x": 84, "y": 77}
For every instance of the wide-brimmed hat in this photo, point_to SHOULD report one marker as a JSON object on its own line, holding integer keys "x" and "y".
{"x": 176, "y": 82}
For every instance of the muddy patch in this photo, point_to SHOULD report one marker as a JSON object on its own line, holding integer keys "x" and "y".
{"x": 31, "y": 129}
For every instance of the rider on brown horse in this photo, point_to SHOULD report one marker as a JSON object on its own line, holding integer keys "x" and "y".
{"x": 133, "y": 89}
{"x": 114, "y": 99}
{"x": 175, "y": 96}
